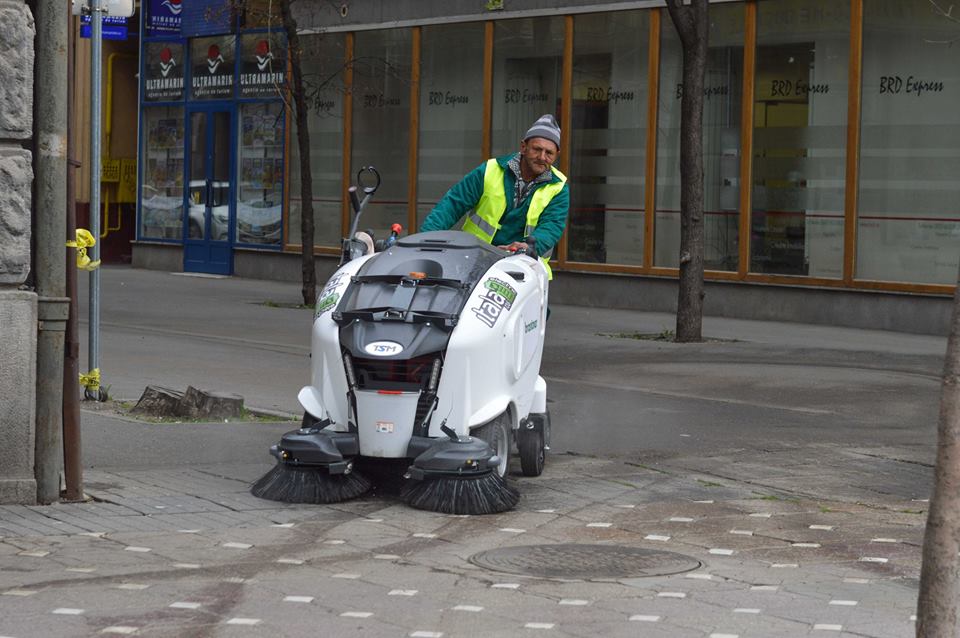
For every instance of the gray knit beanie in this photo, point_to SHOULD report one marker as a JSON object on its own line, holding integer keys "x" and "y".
{"x": 547, "y": 128}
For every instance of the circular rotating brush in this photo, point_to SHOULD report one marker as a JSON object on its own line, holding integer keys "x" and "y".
{"x": 457, "y": 475}
{"x": 305, "y": 484}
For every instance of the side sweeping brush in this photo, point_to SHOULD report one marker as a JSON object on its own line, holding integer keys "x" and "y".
{"x": 458, "y": 475}
{"x": 292, "y": 484}
{"x": 311, "y": 467}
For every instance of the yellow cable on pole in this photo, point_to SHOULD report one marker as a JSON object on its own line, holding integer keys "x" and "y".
{"x": 91, "y": 380}
{"x": 85, "y": 239}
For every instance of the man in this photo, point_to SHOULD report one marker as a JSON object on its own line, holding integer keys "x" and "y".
{"x": 513, "y": 197}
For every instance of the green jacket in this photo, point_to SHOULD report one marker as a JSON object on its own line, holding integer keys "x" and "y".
{"x": 466, "y": 194}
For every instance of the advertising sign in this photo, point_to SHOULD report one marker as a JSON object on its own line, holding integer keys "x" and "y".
{"x": 263, "y": 65}
{"x": 211, "y": 67}
{"x": 163, "y": 72}
{"x": 163, "y": 17}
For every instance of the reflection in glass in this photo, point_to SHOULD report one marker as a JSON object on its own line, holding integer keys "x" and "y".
{"x": 799, "y": 138}
{"x": 908, "y": 221}
{"x": 161, "y": 197}
{"x": 381, "y": 122}
{"x": 527, "y": 65}
{"x": 323, "y": 63}
{"x": 260, "y": 170}
{"x": 608, "y": 141}
{"x": 721, "y": 141}
{"x": 197, "y": 197}
{"x": 451, "y": 109}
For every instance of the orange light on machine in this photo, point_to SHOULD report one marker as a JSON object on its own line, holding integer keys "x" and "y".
{"x": 418, "y": 275}
{"x": 389, "y": 391}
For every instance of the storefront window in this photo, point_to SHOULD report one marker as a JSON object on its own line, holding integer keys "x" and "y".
{"x": 163, "y": 72}
{"x": 260, "y": 162}
{"x": 527, "y": 69}
{"x": 381, "y": 121}
{"x": 323, "y": 62}
{"x": 451, "y": 109}
{"x": 211, "y": 67}
{"x": 721, "y": 141}
{"x": 908, "y": 221}
{"x": 161, "y": 198}
{"x": 263, "y": 65}
{"x": 607, "y": 145}
{"x": 799, "y": 140}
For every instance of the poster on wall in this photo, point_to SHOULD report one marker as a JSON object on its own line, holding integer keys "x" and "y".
{"x": 212, "y": 61}
{"x": 163, "y": 17}
{"x": 263, "y": 65}
{"x": 163, "y": 72}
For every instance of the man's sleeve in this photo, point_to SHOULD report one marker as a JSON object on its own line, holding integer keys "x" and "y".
{"x": 552, "y": 221}
{"x": 464, "y": 195}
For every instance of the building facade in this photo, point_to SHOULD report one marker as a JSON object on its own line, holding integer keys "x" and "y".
{"x": 830, "y": 130}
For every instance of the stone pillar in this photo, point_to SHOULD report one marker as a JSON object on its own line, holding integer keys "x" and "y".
{"x": 18, "y": 308}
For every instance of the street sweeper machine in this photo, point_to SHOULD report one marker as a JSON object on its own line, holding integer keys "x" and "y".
{"x": 426, "y": 350}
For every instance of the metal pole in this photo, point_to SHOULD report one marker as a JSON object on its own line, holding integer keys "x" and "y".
{"x": 72, "y": 465}
{"x": 96, "y": 80}
{"x": 50, "y": 168}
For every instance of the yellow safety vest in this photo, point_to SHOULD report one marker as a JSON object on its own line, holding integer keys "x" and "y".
{"x": 484, "y": 221}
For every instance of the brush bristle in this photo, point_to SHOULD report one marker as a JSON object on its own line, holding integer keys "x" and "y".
{"x": 308, "y": 485}
{"x": 488, "y": 494}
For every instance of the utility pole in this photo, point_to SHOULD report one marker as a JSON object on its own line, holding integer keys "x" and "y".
{"x": 96, "y": 82}
{"x": 50, "y": 172}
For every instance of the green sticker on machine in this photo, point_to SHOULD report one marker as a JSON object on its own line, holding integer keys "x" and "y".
{"x": 503, "y": 289}
{"x": 327, "y": 303}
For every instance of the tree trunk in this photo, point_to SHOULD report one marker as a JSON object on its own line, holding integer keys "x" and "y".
{"x": 307, "y": 267}
{"x": 692, "y": 24}
{"x": 939, "y": 601}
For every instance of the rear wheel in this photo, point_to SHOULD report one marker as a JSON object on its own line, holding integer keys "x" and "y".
{"x": 496, "y": 433}
{"x": 532, "y": 453}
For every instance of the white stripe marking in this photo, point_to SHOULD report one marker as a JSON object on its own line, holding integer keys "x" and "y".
{"x": 680, "y": 519}
{"x": 348, "y": 576}
{"x": 243, "y": 621}
{"x": 424, "y": 535}
{"x": 671, "y": 594}
{"x": 37, "y": 553}
{"x": 574, "y": 601}
{"x": 19, "y": 592}
{"x": 760, "y": 515}
{"x": 826, "y": 528}
{"x": 142, "y": 550}
{"x": 813, "y": 545}
{"x": 764, "y": 588}
{"x": 185, "y": 605}
{"x": 473, "y": 608}
{"x": 858, "y": 581}
{"x": 873, "y": 559}
{"x": 539, "y": 625}
{"x": 741, "y": 532}
{"x": 722, "y": 552}
{"x": 287, "y": 525}
{"x": 67, "y": 611}
{"x": 132, "y": 586}
{"x": 554, "y": 511}
{"x": 186, "y": 565}
{"x": 427, "y": 634}
{"x": 119, "y": 629}
{"x": 356, "y": 614}
{"x": 599, "y": 524}
{"x": 82, "y": 570}
{"x": 724, "y": 635}
{"x": 403, "y": 592}
{"x": 335, "y": 541}
{"x": 884, "y": 540}
{"x": 512, "y": 530}
{"x": 746, "y": 610}
{"x": 290, "y": 561}
{"x": 237, "y": 545}
{"x": 699, "y": 576}
{"x": 844, "y": 603}
{"x": 826, "y": 627}
{"x": 645, "y": 618}
{"x": 386, "y": 556}
{"x": 656, "y": 537}
{"x": 707, "y": 502}
{"x": 189, "y": 531}
{"x": 298, "y": 599}
{"x": 505, "y": 586}
{"x": 785, "y": 565}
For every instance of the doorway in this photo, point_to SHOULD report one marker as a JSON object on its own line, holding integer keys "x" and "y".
{"x": 208, "y": 210}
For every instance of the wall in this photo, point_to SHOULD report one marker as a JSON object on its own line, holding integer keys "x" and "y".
{"x": 18, "y": 308}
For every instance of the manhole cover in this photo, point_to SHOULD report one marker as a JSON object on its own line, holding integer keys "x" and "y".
{"x": 583, "y": 561}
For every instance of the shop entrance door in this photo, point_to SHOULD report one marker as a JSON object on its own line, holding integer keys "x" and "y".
{"x": 208, "y": 211}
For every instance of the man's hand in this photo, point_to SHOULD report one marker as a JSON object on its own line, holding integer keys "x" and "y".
{"x": 515, "y": 247}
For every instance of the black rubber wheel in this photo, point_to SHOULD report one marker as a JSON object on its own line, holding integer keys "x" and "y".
{"x": 532, "y": 455}
{"x": 497, "y": 435}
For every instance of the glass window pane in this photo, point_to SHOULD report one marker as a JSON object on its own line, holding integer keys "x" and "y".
{"x": 721, "y": 141}
{"x": 799, "y": 139}
{"x": 260, "y": 167}
{"x": 323, "y": 60}
{"x": 263, "y": 65}
{"x": 908, "y": 222}
{"x": 608, "y": 141}
{"x": 527, "y": 66}
{"x": 161, "y": 203}
{"x": 381, "y": 122}
{"x": 211, "y": 67}
{"x": 163, "y": 71}
{"x": 451, "y": 109}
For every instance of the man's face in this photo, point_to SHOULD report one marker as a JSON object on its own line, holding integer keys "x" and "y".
{"x": 538, "y": 154}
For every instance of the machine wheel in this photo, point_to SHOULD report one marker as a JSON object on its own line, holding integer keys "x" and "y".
{"x": 530, "y": 443}
{"x": 497, "y": 435}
